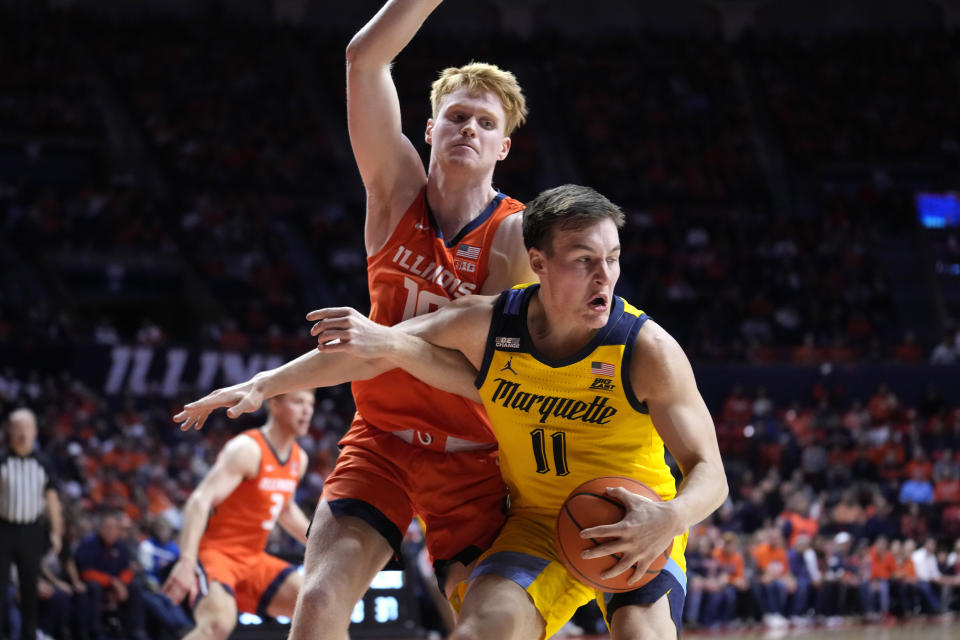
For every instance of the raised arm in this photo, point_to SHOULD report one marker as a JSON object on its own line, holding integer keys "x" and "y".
{"x": 389, "y": 165}
{"x": 443, "y": 348}
{"x": 239, "y": 459}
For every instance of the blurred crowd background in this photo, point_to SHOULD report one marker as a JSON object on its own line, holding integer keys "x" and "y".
{"x": 177, "y": 191}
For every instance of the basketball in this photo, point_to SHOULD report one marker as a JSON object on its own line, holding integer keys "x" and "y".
{"x": 589, "y": 506}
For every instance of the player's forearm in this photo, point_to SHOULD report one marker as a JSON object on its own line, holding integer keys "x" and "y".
{"x": 444, "y": 369}
{"x": 388, "y": 32}
{"x": 703, "y": 490}
{"x": 195, "y": 514}
{"x": 315, "y": 369}
{"x": 294, "y": 521}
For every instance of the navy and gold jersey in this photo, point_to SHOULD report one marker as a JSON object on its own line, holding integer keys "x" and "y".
{"x": 560, "y": 423}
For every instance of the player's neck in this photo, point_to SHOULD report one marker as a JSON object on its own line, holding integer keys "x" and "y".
{"x": 280, "y": 439}
{"x": 456, "y": 199}
{"x": 554, "y": 335}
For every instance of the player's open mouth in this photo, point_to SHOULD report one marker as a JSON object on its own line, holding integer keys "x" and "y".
{"x": 598, "y": 304}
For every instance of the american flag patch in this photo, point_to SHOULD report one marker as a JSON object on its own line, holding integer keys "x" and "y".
{"x": 468, "y": 251}
{"x": 601, "y": 369}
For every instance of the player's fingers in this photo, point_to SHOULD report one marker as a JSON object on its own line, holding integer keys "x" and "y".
{"x": 329, "y": 312}
{"x": 172, "y": 590}
{"x": 615, "y": 546}
{"x": 625, "y": 496}
{"x": 245, "y": 404}
{"x": 329, "y": 325}
{"x": 328, "y": 336}
{"x": 601, "y": 531}
{"x": 622, "y": 565}
{"x": 193, "y": 421}
{"x": 211, "y": 401}
{"x": 641, "y": 569}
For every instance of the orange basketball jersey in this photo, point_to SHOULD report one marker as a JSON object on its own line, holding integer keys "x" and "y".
{"x": 418, "y": 271}
{"x": 243, "y": 522}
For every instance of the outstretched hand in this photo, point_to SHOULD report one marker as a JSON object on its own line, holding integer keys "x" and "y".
{"x": 647, "y": 528}
{"x": 238, "y": 399}
{"x": 346, "y": 329}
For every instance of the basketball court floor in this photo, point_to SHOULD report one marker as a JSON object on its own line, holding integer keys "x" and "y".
{"x": 912, "y": 630}
{"x": 917, "y": 630}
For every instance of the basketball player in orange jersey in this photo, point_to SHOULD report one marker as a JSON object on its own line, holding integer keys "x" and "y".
{"x": 249, "y": 489}
{"x": 431, "y": 236}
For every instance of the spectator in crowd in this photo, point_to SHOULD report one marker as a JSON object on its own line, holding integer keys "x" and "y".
{"x": 876, "y": 596}
{"x": 805, "y": 569}
{"x": 732, "y": 581}
{"x": 796, "y": 520}
{"x": 841, "y": 571}
{"x": 773, "y": 580}
{"x": 918, "y": 489}
{"x": 904, "y": 581}
{"x": 701, "y": 579}
{"x": 928, "y": 574}
{"x": 945, "y": 352}
{"x": 106, "y": 567}
{"x": 157, "y": 553}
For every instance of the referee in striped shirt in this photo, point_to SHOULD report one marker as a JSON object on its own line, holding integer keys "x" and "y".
{"x": 26, "y": 492}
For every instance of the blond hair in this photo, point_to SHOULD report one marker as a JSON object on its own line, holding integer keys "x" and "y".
{"x": 480, "y": 76}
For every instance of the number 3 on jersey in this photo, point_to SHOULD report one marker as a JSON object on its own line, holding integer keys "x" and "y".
{"x": 420, "y": 302}
{"x": 276, "y": 504}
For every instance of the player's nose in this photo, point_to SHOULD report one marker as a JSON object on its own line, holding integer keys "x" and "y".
{"x": 602, "y": 273}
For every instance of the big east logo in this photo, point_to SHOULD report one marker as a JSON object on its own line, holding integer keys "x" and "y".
{"x": 602, "y": 384}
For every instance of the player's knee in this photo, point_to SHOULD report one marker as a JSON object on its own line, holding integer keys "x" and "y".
{"x": 646, "y": 629}
{"x": 319, "y": 596}
{"x": 466, "y": 632}
{"x": 215, "y": 628}
{"x": 502, "y": 623}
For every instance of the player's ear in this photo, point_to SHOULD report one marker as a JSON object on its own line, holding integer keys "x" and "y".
{"x": 428, "y": 134}
{"x": 504, "y": 149}
{"x": 537, "y": 261}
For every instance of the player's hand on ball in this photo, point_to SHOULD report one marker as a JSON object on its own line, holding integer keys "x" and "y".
{"x": 646, "y": 529}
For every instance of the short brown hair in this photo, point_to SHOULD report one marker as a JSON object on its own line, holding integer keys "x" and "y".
{"x": 568, "y": 206}
{"x": 480, "y": 76}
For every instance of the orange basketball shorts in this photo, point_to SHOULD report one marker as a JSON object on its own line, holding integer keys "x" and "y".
{"x": 385, "y": 480}
{"x": 252, "y": 578}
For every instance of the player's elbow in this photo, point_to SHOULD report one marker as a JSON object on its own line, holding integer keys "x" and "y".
{"x": 720, "y": 478}
{"x": 198, "y": 503}
{"x": 359, "y": 56}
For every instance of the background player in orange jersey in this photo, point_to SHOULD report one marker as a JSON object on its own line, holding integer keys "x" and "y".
{"x": 249, "y": 489}
{"x": 431, "y": 236}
